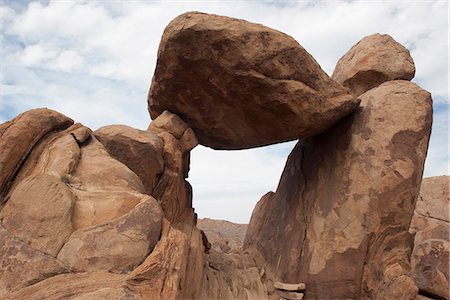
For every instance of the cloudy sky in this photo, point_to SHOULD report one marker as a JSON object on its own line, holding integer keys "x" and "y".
{"x": 93, "y": 61}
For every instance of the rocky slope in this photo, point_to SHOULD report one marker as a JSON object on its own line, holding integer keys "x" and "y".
{"x": 108, "y": 214}
{"x": 224, "y": 236}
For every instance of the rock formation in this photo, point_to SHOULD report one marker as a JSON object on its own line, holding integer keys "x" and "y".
{"x": 430, "y": 224}
{"x": 108, "y": 214}
{"x": 340, "y": 216}
{"x": 241, "y": 85}
{"x": 224, "y": 236}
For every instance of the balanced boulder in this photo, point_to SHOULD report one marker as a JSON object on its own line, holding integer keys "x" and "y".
{"x": 241, "y": 85}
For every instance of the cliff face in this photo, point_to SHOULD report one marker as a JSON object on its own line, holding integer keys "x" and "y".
{"x": 108, "y": 214}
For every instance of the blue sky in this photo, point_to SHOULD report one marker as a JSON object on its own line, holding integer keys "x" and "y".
{"x": 93, "y": 61}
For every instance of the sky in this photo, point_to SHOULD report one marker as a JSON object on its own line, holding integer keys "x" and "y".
{"x": 94, "y": 60}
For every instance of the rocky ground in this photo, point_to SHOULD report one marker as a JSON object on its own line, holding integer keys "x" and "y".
{"x": 108, "y": 214}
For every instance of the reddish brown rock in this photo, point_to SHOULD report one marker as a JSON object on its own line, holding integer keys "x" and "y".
{"x": 20, "y": 135}
{"x": 241, "y": 85}
{"x": 116, "y": 246}
{"x": 39, "y": 212}
{"x": 430, "y": 224}
{"x": 339, "y": 219}
{"x": 224, "y": 236}
{"x": 21, "y": 265}
{"x": 139, "y": 150}
{"x": 430, "y": 260}
{"x": 373, "y": 60}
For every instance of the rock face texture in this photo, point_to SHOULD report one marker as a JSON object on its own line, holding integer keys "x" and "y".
{"x": 18, "y": 136}
{"x": 430, "y": 224}
{"x": 340, "y": 216}
{"x": 373, "y": 60}
{"x": 138, "y": 150}
{"x": 108, "y": 214}
{"x": 224, "y": 236}
{"x": 241, "y": 85}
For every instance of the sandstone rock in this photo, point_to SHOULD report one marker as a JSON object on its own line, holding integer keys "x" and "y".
{"x": 108, "y": 293}
{"x": 292, "y": 287}
{"x": 290, "y": 295}
{"x": 430, "y": 224}
{"x": 97, "y": 170}
{"x": 170, "y": 123}
{"x": 39, "y": 212}
{"x": 340, "y": 217}
{"x": 241, "y": 85}
{"x": 139, "y": 150}
{"x": 172, "y": 190}
{"x": 434, "y": 199}
{"x": 70, "y": 286}
{"x": 22, "y": 265}
{"x": 117, "y": 246}
{"x": 430, "y": 260}
{"x": 232, "y": 276}
{"x": 20, "y": 135}
{"x": 373, "y": 60}
{"x": 224, "y": 236}
{"x": 94, "y": 208}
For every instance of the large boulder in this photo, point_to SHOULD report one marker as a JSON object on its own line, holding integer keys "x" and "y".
{"x": 241, "y": 85}
{"x": 340, "y": 216}
{"x": 430, "y": 224}
{"x": 373, "y": 60}
{"x": 20, "y": 135}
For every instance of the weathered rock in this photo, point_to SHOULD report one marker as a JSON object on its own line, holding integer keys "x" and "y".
{"x": 99, "y": 207}
{"x": 292, "y": 287}
{"x": 373, "y": 60}
{"x": 433, "y": 202}
{"x": 39, "y": 212}
{"x": 340, "y": 217}
{"x": 117, "y": 246}
{"x": 97, "y": 170}
{"x": 22, "y": 265}
{"x": 141, "y": 151}
{"x": 430, "y": 257}
{"x": 70, "y": 286}
{"x": 232, "y": 276}
{"x": 170, "y": 123}
{"x": 290, "y": 295}
{"x": 430, "y": 260}
{"x": 172, "y": 190}
{"x": 241, "y": 85}
{"x": 224, "y": 236}
{"x": 20, "y": 135}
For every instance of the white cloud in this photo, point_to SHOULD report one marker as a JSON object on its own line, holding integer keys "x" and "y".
{"x": 35, "y": 55}
{"x": 93, "y": 61}
{"x": 67, "y": 61}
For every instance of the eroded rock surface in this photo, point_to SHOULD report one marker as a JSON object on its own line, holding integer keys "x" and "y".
{"x": 20, "y": 135}
{"x": 141, "y": 151}
{"x": 430, "y": 257}
{"x": 224, "y": 236}
{"x": 241, "y": 85}
{"x": 373, "y": 60}
{"x": 340, "y": 216}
